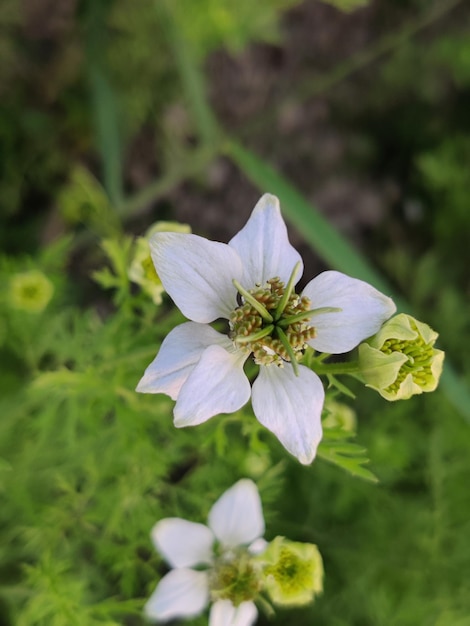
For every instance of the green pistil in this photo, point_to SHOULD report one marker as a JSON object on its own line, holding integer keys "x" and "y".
{"x": 287, "y": 293}
{"x": 264, "y": 332}
{"x": 285, "y": 342}
{"x": 253, "y": 301}
{"x": 305, "y": 315}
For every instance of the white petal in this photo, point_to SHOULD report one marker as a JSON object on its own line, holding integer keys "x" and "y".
{"x": 237, "y": 516}
{"x": 197, "y": 274}
{"x": 290, "y": 406}
{"x": 223, "y": 613}
{"x": 217, "y": 384}
{"x": 258, "y": 546}
{"x": 179, "y": 353}
{"x": 183, "y": 543}
{"x": 264, "y": 247}
{"x": 181, "y": 593}
{"x": 364, "y": 310}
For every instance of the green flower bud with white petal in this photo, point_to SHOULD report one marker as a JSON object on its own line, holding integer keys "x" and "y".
{"x": 142, "y": 270}
{"x": 400, "y": 360}
{"x": 30, "y": 291}
{"x": 292, "y": 571}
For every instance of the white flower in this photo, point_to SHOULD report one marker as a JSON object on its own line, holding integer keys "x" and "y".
{"x": 225, "y": 548}
{"x": 250, "y": 282}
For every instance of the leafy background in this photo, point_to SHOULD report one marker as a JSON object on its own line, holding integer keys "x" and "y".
{"x": 114, "y": 116}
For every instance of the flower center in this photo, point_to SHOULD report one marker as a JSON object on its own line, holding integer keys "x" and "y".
{"x": 279, "y": 336}
{"x": 236, "y": 579}
{"x": 420, "y": 357}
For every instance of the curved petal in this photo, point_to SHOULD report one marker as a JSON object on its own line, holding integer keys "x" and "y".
{"x": 217, "y": 384}
{"x": 290, "y": 406}
{"x": 223, "y": 613}
{"x": 179, "y": 353}
{"x": 363, "y": 311}
{"x": 183, "y": 543}
{"x": 264, "y": 247}
{"x": 197, "y": 274}
{"x": 237, "y": 516}
{"x": 258, "y": 546}
{"x": 181, "y": 593}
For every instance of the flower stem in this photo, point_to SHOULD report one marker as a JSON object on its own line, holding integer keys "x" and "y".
{"x": 262, "y": 310}
{"x": 349, "y": 367}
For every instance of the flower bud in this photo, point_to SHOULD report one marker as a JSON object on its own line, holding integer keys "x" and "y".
{"x": 400, "y": 360}
{"x": 141, "y": 270}
{"x": 339, "y": 415}
{"x": 30, "y": 291}
{"x": 292, "y": 572}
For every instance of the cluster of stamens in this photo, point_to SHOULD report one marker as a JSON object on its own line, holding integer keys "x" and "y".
{"x": 420, "y": 357}
{"x": 235, "y": 578}
{"x": 291, "y": 572}
{"x": 272, "y": 323}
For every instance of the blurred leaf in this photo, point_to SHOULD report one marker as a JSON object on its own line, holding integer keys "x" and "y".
{"x": 347, "y": 5}
{"x": 209, "y": 24}
{"x": 335, "y": 448}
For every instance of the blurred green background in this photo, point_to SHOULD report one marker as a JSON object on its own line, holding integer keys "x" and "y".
{"x": 116, "y": 114}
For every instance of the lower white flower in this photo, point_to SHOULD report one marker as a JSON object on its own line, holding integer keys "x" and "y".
{"x": 224, "y": 548}
{"x": 251, "y": 283}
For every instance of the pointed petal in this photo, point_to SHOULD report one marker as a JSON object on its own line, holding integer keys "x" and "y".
{"x": 180, "y": 352}
{"x": 197, "y": 274}
{"x": 264, "y": 247}
{"x": 183, "y": 543}
{"x": 237, "y": 516}
{"x": 181, "y": 593}
{"x": 363, "y": 311}
{"x": 223, "y": 613}
{"x": 290, "y": 406}
{"x": 216, "y": 385}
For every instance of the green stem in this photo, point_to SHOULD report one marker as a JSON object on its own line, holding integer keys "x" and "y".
{"x": 349, "y": 367}
{"x": 189, "y": 68}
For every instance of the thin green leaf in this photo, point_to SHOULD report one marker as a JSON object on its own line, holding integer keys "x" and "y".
{"x": 191, "y": 75}
{"x": 348, "y": 456}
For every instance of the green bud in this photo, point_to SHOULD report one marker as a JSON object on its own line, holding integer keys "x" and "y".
{"x": 30, "y": 291}
{"x": 292, "y": 572}
{"x": 142, "y": 270}
{"x": 400, "y": 360}
{"x": 339, "y": 415}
